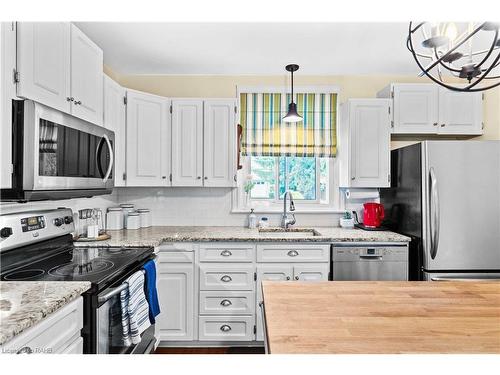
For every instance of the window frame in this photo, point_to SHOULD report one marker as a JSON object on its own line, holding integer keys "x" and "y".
{"x": 239, "y": 200}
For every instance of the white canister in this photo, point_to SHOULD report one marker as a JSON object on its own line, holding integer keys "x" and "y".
{"x": 145, "y": 216}
{"x": 133, "y": 220}
{"x": 114, "y": 218}
{"x": 126, "y": 207}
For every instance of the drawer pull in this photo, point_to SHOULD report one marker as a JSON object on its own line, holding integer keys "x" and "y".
{"x": 292, "y": 253}
{"x": 25, "y": 350}
{"x": 226, "y": 279}
{"x": 296, "y": 277}
{"x": 225, "y": 328}
{"x": 226, "y": 253}
{"x": 288, "y": 277}
{"x": 226, "y": 302}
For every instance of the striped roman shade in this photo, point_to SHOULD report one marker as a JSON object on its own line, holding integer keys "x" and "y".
{"x": 265, "y": 133}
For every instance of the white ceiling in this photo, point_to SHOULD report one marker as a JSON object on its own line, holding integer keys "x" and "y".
{"x": 253, "y": 48}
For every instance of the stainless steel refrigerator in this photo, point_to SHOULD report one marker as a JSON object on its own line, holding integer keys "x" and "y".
{"x": 445, "y": 195}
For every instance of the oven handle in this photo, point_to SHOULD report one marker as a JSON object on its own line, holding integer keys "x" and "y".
{"x": 113, "y": 292}
{"x": 111, "y": 158}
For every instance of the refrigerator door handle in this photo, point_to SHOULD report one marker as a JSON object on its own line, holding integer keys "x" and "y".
{"x": 434, "y": 212}
{"x": 458, "y": 278}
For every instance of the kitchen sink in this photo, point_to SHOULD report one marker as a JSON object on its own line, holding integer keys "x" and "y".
{"x": 290, "y": 232}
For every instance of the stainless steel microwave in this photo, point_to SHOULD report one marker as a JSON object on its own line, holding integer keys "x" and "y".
{"x": 57, "y": 156}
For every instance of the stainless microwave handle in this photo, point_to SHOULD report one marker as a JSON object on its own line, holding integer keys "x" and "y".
{"x": 111, "y": 158}
{"x": 434, "y": 212}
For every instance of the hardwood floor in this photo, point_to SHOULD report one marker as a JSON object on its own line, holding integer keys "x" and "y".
{"x": 233, "y": 350}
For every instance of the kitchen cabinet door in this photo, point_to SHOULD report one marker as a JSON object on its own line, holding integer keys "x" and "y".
{"x": 114, "y": 119}
{"x": 7, "y": 93}
{"x": 43, "y": 63}
{"x": 219, "y": 143}
{"x": 276, "y": 272}
{"x": 148, "y": 140}
{"x": 86, "y": 77}
{"x": 415, "y": 108}
{"x": 460, "y": 112}
{"x": 176, "y": 297}
{"x": 369, "y": 125}
{"x": 311, "y": 272}
{"x": 187, "y": 142}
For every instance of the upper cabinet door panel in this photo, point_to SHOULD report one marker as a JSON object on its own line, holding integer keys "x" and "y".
{"x": 460, "y": 112}
{"x": 114, "y": 119}
{"x": 43, "y": 62}
{"x": 415, "y": 108}
{"x": 370, "y": 142}
{"x": 86, "y": 77}
{"x": 187, "y": 142}
{"x": 219, "y": 143}
{"x": 147, "y": 140}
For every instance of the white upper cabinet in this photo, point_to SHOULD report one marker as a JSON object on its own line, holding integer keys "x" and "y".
{"x": 365, "y": 136}
{"x": 86, "y": 77}
{"x": 219, "y": 141}
{"x": 460, "y": 112}
{"x": 43, "y": 63}
{"x": 7, "y": 93}
{"x": 426, "y": 108}
{"x": 114, "y": 119}
{"x": 59, "y": 66}
{"x": 187, "y": 142}
{"x": 148, "y": 140}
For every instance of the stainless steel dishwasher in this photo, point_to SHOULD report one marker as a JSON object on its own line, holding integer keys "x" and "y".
{"x": 352, "y": 263}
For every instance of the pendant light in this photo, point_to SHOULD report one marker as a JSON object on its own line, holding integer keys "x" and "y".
{"x": 292, "y": 115}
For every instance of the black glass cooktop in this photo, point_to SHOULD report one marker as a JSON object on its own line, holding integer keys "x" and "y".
{"x": 98, "y": 265}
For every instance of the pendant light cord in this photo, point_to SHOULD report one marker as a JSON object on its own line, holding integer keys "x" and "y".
{"x": 292, "y": 86}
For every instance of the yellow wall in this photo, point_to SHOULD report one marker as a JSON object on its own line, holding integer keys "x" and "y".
{"x": 350, "y": 87}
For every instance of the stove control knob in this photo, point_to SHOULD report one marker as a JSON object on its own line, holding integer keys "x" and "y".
{"x": 5, "y": 232}
{"x": 68, "y": 219}
{"x": 58, "y": 221}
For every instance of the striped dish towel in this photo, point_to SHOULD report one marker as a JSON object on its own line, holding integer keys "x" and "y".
{"x": 135, "y": 309}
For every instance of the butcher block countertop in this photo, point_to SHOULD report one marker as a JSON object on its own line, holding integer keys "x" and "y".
{"x": 382, "y": 317}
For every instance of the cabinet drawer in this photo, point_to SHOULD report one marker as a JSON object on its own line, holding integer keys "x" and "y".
{"x": 226, "y": 277}
{"x": 227, "y": 253}
{"x": 175, "y": 257}
{"x": 228, "y": 302}
{"x": 75, "y": 347}
{"x": 50, "y": 335}
{"x": 293, "y": 253}
{"x": 226, "y": 328}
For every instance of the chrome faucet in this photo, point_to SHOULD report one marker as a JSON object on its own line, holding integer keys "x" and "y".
{"x": 285, "y": 221}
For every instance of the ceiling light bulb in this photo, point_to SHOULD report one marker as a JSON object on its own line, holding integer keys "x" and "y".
{"x": 451, "y": 31}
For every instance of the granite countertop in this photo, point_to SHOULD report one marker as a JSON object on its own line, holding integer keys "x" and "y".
{"x": 25, "y": 303}
{"x": 154, "y": 236}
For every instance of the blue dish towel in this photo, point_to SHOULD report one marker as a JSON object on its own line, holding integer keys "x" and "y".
{"x": 150, "y": 289}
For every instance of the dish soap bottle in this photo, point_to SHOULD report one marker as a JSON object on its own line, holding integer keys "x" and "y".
{"x": 252, "y": 220}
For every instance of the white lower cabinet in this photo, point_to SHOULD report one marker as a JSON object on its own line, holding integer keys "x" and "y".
{"x": 176, "y": 291}
{"x": 58, "y": 333}
{"x": 222, "y": 303}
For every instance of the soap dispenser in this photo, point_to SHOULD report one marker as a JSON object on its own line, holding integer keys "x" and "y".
{"x": 252, "y": 220}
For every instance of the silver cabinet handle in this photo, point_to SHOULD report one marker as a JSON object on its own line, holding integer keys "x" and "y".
{"x": 198, "y": 178}
{"x": 226, "y": 253}
{"x": 353, "y": 178}
{"x": 443, "y": 125}
{"x": 25, "y": 350}
{"x": 225, "y": 303}
{"x": 434, "y": 212}
{"x": 288, "y": 277}
{"x": 292, "y": 253}
{"x": 225, "y": 328}
{"x": 78, "y": 102}
{"x": 435, "y": 124}
{"x": 226, "y": 279}
{"x": 296, "y": 277}
{"x": 206, "y": 178}
{"x": 69, "y": 99}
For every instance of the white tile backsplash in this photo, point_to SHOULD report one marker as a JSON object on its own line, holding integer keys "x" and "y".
{"x": 203, "y": 206}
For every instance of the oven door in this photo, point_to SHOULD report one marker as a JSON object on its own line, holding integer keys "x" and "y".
{"x": 68, "y": 153}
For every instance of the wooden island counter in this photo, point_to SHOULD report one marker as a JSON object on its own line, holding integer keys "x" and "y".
{"x": 382, "y": 317}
